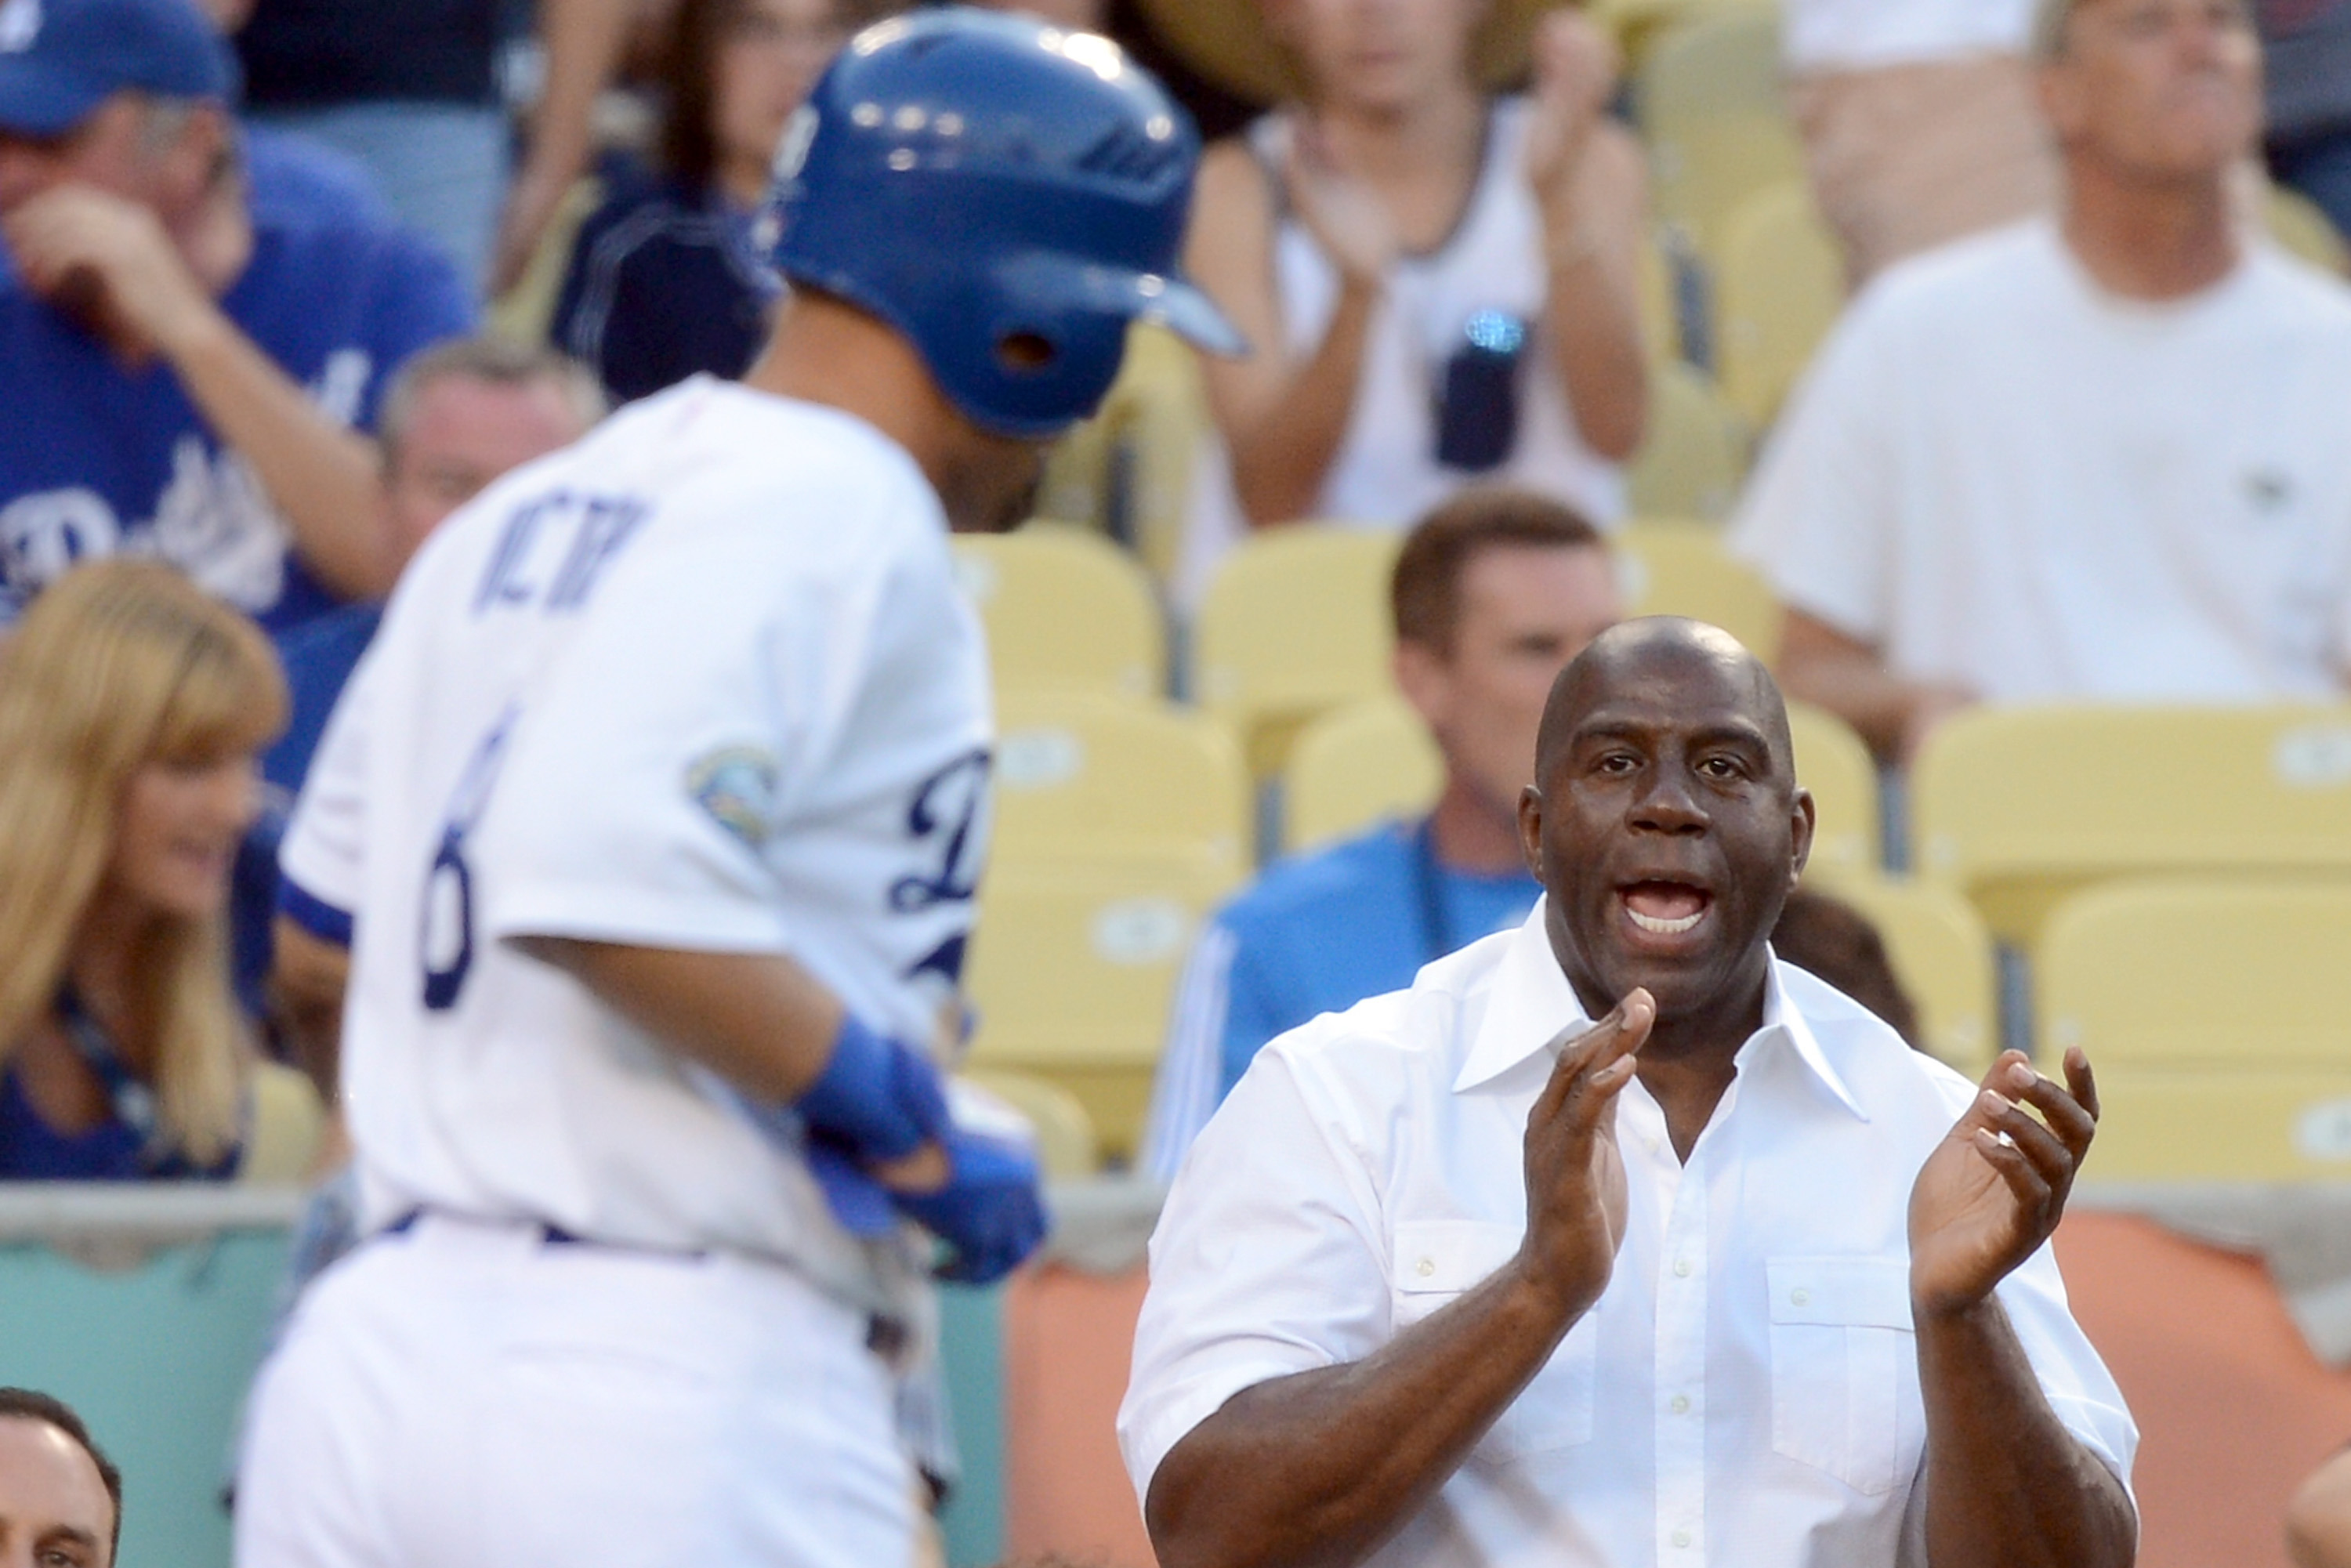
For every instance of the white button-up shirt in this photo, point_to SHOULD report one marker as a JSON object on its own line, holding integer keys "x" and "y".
{"x": 1745, "y": 1393}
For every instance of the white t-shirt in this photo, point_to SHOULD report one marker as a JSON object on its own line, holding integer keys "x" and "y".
{"x": 703, "y": 681}
{"x": 2003, "y": 477}
{"x": 1386, "y": 473}
{"x": 1745, "y": 1391}
{"x": 1855, "y": 34}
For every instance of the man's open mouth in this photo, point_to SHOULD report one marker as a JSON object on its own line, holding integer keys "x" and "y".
{"x": 1666, "y": 908}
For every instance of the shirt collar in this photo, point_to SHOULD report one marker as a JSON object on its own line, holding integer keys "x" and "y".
{"x": 1530, "y": 1002}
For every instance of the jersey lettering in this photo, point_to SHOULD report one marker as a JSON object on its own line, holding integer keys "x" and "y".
{"x": 945, "y": 808}
{"x": 597, "y": 526}
{"x": 446, "y": 940}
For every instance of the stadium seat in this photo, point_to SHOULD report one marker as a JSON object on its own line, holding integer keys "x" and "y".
{"x": 2303, "y": 228}
{"x": 1780, "y": 290}
{"x": 1834, "y": 764}
{"x": 2018, "y": 807}
{"x": 1295, "y": 622}
{"x": 1084, "y": 779}
{"x": 1636, "y": 24}
{"x": 2214, "y": 1014}
{"x": 1354, "y": 765}
{"x": 1070, "y": 974}
{"x": 1127, "y": 472}
{"x": 526, "y": 311}
{"x": 1695, "y": 456}
{"x": 1065, "y": 1133}
{"x": 1065, "y": 609}
{"x": 1713, "y": 109}
{"x": 1943, "y": 956}
{"x": 289, "y": 1124}
{"x": 1682, "y": 569}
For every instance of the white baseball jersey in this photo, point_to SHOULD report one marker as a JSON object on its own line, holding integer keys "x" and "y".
{"x": 703, "y": 681}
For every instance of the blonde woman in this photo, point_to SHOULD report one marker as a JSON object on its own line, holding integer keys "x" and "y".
{"x": 131, "y": 708}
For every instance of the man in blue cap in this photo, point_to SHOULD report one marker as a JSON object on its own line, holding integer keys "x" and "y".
{"x": 204, "y": 374}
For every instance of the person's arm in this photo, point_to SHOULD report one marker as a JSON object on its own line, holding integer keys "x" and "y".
{"x": 109, "y": 259}
{"x": 1319, "y": 1469}
{"x": 2007, "y": 1484}
{"x": 2318, "y": 1521}
{"x": 1592, "y": 188}
{"x": 1283, "y": 419}
{"x": 1824, "y": 666}
{"x": 582, "y": 41}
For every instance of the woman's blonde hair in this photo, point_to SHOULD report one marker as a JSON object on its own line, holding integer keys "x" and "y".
{"x": 119, "y": 664}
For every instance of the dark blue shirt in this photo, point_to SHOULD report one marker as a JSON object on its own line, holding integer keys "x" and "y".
{"x": 118, "y": 1148}
{"x": 664, "y": 283}
{"x": 96, "y": 458}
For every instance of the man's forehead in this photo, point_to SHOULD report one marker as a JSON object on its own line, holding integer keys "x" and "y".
{"x": 1714, "y": 713}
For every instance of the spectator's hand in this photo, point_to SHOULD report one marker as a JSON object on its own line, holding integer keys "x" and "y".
{"x": 1930, "y": 706}
{"x": 1575, "y": 1174}
{"x": 108, "y": 261}
{"x": 1575, "y": 68}
{"x": 532, "y": 198}
{"x": 1995, "y": 1187}
{"x": 1344, "y": 215}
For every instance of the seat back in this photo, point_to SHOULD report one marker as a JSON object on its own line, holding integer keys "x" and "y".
{"x": 1682, "y": 569}
{"x": 1834, "y": 764}
{"x": 1354, "y": 765}
{"x": 1295, "y": 622}
{"x": 1781, "y": 289}
{"x": 1943, "y": 956}
{"x": 1713, "y": 109}
{"x": 1084, "y": 779}
{"x": 2020, "y": 806}
{"x": 2217, "y": 1015}
{"x": 1694, "y": 458}
{"x": 1065, "y": 610}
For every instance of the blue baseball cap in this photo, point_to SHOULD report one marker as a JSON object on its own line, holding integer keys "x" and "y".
{"x": 59, "y": 59}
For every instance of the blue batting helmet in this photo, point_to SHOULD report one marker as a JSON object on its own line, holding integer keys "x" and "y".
{"x": 1008, "y": 195}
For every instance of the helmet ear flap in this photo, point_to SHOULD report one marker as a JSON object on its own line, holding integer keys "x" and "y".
{"x": 1025, "y": 352}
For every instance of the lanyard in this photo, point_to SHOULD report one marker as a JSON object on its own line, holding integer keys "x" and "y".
{"x": 133, "y": 1103}
{"x": 1429, "y": 888}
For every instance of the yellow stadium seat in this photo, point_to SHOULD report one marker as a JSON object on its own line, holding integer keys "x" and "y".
{"x": 1682, "y": 569}
{"x": 526, "y": 311}
{"x": 1714, "y": 112}
{"x": 2298, "y": 224}
{"x": 1780, "y": 289}
{"x": 1084, "y": 779}
{"x": 1636, "y": 24}
{"x": 2018, "y": 807}
{"x": 2214, "y": 1013}
{"x": 1355, "y": 765}
{"x": 1943, "y": 956}
{"x": 1695, "y": 457}
{"x": 1295, "y": 622}
{"x": 1134, "y": 460}
{"x": 1065, "y": 1133}
{"x": 1070, "y": 974}
{"x": 1065, "y": 610}
{"x": 288, "y": 1126}
{"x": 1834, "y": 764}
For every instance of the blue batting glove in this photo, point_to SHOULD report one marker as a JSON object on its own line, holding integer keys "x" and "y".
{"x": 879, "y": 1099}
{"x": 856, "y": 1200}
{"x": 990, "y": 1212}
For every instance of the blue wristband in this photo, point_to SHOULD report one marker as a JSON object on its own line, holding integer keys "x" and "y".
{"x": 876, "y": 1096}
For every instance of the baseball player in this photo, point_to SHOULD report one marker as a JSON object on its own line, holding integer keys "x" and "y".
{"x": 660, "y": 801}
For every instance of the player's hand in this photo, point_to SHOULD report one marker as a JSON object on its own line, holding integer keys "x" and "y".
{"x": 990, "y": 1212}
{"x": 857, "y": 1201}
{"x": 878, "y": 1098}
{"x": 1575, "y": 68}
{"x": 1575, "y": 1172}
{"x": 107, "y": 261}
{"x": 1344, "y": 215}
{"x": 1995, "y": 1187}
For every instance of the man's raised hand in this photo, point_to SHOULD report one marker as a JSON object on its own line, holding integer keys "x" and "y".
{"x": 1995, "y": 1187}
{"x": 1575, "y": 1174}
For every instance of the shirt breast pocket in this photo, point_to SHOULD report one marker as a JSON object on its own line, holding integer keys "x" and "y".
{"x": 1437, "y": 1261}
{"x": 1844, "y": 1369}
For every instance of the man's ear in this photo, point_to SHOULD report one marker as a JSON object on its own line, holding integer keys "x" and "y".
{"x": 1425, "y": 679}
{"x": 1805, "y": 818}
{"x": 1530, "y": 811}
{"x": 2057, "y": 86}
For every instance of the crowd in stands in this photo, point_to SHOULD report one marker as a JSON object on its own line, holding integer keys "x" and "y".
{"x": 2083, "y": 433}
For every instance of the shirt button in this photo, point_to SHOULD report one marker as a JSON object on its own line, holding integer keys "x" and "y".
{"x": 1425, "y": 1267}
{"x": 1681, "y": 1537}
{"x": 1681, "y": 1404}
{"x": 1798, "y": 1297}
{"x": 1681, "y": 1268}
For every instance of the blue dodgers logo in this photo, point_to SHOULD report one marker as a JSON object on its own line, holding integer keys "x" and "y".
{"x": 736, "y": 786}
